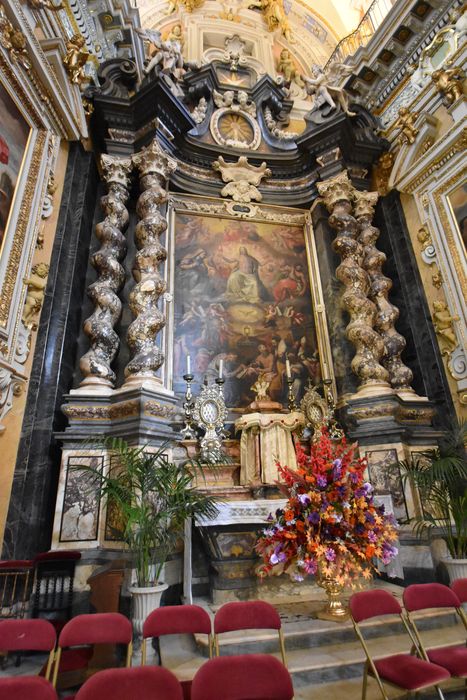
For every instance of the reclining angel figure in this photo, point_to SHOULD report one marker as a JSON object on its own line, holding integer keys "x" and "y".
{"x": 324, "y": 86}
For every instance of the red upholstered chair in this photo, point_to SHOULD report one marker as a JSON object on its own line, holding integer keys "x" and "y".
{"x": 423, "y": 596}
{"x": 100, "y": 628}
{"x": 460, "y": 589}
{"x": 244, "y": 677}
{"x": 248, "y": 615}
{"x": 402, "y": 671}
{"x": 143, "y": 683}
{"x": 176, "y": 619}
{"x": 26, "y": 688}
{"x": 28, "y": 635}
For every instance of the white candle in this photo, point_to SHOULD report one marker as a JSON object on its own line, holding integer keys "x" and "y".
{"x": 221, "y": 368}
{"x": 287, "y": 368}
{"x": 188, "y": 364}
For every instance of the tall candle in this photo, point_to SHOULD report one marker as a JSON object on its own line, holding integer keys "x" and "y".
{"x": 287, "y": 368}
{"x": 221, "y": 368}
{"x": 188, "y": 364}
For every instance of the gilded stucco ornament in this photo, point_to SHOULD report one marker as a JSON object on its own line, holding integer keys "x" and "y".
{"x": 449, "y": 82}
{"x": 382, "y": 172}
{"x": 187, "y": 5}
{"x": 443, "y": 325}
{"x": 400, "y": 376}
{"x": 36, "y": 284}
{"x": 242, "y": 179}
{"x": 154, "y": 167}
{"x": 405, "y": 124}
{"x": 45, "y": 5}
{"x": 13, "y": 40}
{"x": 76, "y": 58}
{"x": 274, "y": 16}
{"x": 338, "y": 195}
{"x": 99, "y": 327}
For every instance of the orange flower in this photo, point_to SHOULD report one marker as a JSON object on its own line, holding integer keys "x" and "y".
{"x": 289, "y": 515}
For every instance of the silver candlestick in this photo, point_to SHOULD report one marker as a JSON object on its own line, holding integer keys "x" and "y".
{"x": 292, "y": 406}
{"x": 187, "y": 432}
{"x": 220, "y": 381}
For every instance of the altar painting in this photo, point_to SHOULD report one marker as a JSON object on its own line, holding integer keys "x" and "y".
{"x": 14, "y": 133}
{"x": 242, "y": 294}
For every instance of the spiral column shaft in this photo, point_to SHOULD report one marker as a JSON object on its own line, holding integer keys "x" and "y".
{"x": 400, "y": 376}
{"x": 154, "y": 168}
{"x": 338, "y": 194}
{"x": 99, "y": 327}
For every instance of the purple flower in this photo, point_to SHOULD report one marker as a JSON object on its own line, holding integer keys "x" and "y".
{"x": 372, "y": 537}
{"x": 277, "y": 555}
{"x": 337, "y": 469}
{"x": 269, "y": 532}
{"x": 330, "y": 554}
{"x": 367, "y": 488}
{"x": 314, "y": 517}
{"x": 304, "y": 499}
{"x": 337, "y": 463}
{"x": 353, "y": 476}
{"x": 370, "y": 518}
{"x": 341, "y": 490}
{"x": 389, "y": 552}
{"x": 297, "y": 577}
{"x": 321, "y": 481}
{"x": 311, "y": 567}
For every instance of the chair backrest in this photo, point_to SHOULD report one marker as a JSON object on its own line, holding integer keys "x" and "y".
{"x": 243, "y": 677}
{"x": 367, "y": 604}
{"x": 140, "y": 683}
{"x": 97, "y": 628}
{"x": 16, "y": 578}
{"x": 27, "y": 635}
{"x": 26, "y": 688}
{"x": 460, "y": 589}
{"x": 177, "y": 619}
{"x": 252, "y": 614}
{"x": 53, "y": 585}
{"x": 420, "y": 596}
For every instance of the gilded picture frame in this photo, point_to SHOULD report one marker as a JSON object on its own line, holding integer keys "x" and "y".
{"x": 222, "y": 218}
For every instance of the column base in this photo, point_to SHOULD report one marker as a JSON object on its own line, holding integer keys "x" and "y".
{"x": 373, "y": 390}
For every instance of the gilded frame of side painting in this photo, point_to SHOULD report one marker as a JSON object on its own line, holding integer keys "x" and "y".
{"x": 246, "y": 289}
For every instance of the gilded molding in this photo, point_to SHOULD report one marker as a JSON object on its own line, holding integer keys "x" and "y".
{"x": 248, "y": 211}
{"x": 99, "y": 327}
{"x": 21, "y": 228}
{"x": 13, "y": 40}
{"x": 154, "y": 168}
{"x": 400, "y": 376}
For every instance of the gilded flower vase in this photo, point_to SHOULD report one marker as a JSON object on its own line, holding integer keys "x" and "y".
{"x": 335, "y": 609}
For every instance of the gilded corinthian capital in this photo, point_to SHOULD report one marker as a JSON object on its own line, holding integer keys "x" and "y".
{"x": 337, "y": 189}
{"x": 116, "y": 170}
{"x": 152, "y": 159}
{"x": 364, "y": 204}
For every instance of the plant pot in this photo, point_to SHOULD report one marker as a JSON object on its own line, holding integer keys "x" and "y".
{"x": 145, "y": 600}
{"x": 457, "y": 568}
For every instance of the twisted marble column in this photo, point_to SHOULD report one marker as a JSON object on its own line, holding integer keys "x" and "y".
{"x": 338, "y": 193}
{"x": 99, "y": 327}
{"x": 400, "y": 376}
{"x": 154, "y": 168}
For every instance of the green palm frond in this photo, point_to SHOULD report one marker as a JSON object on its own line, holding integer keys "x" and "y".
{"x": 154, "y": 497}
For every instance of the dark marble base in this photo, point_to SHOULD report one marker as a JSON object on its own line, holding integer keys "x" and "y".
{"x": 32, "y": 503}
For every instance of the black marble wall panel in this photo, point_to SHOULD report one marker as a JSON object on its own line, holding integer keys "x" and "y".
{"x": 32, "y": 504}
{"x": 422, "y": 352}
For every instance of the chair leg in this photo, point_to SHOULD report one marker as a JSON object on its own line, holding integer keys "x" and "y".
{"x": 365, "y": 681}
{"x": 440, "y": 693}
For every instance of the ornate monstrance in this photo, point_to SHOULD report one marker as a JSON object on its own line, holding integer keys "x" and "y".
{"x": 209, "y": 413}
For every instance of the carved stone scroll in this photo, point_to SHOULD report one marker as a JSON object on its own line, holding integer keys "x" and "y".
{"x": 104, "y": 341}
{"x": 387, "y": 314}
{"x": 338, "y": 194}
{"x": 154, "y": 168}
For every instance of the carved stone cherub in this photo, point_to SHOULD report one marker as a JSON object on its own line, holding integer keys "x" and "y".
{"x": 36, "y": 284}
{"x": 176, "y": 34}
{"x": 442, "y": 321}
{"x": 449, "y": 83}
{"x": 76, "y": 58}
{"x": 287, "y": 67}
{"x": 405, "y": 123}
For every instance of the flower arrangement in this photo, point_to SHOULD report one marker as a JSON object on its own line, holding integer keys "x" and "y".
{"x": 330, "y": 525}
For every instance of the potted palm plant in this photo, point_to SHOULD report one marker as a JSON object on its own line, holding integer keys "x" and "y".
{"x": 150, "y": 498}
{"x": 440, "y": 475}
